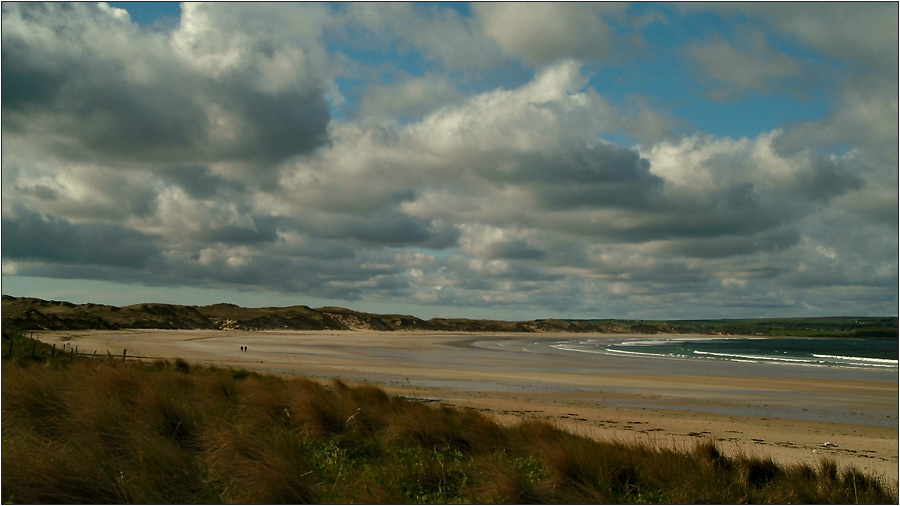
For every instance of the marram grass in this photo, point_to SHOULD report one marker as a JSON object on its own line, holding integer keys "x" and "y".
{"x": 108, "y": 431}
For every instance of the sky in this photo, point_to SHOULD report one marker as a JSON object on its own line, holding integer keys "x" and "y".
{"x": 483, "y": 160}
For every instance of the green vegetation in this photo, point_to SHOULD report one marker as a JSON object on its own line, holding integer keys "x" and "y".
{"x": 804, "y": 327}
{"x": 870, "y": 327}
{"x": 23, "y": 313}
{"x": 105, "y": 430}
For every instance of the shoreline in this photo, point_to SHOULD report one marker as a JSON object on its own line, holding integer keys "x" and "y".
{"x": 600, "y": 396}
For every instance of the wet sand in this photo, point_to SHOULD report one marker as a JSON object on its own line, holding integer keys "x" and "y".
{"x": 792, "y": 414}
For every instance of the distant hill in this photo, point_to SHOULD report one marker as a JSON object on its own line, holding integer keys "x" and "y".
{"x": 26, "y": 313}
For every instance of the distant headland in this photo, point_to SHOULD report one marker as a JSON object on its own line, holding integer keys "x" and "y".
{"x": 26, "y": 313}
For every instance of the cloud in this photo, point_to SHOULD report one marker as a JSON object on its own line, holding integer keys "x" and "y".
{"x": 718, "y": 186}
{"x": 541, "y": 33}
{"x": 842, "y": 50}
{"x": 857, "y": 36}
{"x": 86, "y": 94}
{"x": 32, "y": 237}
{"x": 752, "y": 65}
{"x": 864, "y": 114}
{"x": 84, "y": 81}
{"x": 528, "y": 118}
{"x": 498, "y": 243}
{"x": 526, "y": 202}
{"x": 79, "y": 191}
{"x": 199, "y": 182}
{"x": 438, "y": 32}
{"x": 204, "y": 154}
{"x": 864, "y": 38}
{"x": 409, "y": 99}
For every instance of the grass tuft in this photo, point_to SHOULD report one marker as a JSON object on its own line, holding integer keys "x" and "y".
{"x": 108, "y": 431}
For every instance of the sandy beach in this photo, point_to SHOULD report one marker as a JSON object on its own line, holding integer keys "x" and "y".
{"x": 792, "y": 414}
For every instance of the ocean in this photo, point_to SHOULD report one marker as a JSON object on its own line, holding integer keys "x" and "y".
{"x": 853, "y": 353}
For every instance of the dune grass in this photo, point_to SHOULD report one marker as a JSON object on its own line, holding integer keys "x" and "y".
{"x": 110, "y": 431}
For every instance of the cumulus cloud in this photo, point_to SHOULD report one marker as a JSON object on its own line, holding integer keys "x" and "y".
{"x": 540, "y": 33}
{"x": 864, "y": 114}
{"x": 512, "y": 196}
{"x": 205, "y": 154}
{"x": 841, "y": 30}
{"x": 409, "y": 99}
{"x": 84, "y": 81}
{"x": 754, "y": 65}
{"x": 32, "y": 237}
{"x": 439, "y": 32}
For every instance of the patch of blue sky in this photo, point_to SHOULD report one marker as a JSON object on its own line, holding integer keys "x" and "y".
{"x": 693, "y": 23}
{"x": 391, "y": 64}
{"x": 376, "y": 66}
{"x": 674, "y": 86}
{"x": 350, "y": 90}
{"x": 617, "y": 83}
{"x": 462, "y": 8}
{"x": 440, "y": 254}
{"x": 745, "y": 116}
{"x": 149, "y": 13}
{"x": 749, "y": 117}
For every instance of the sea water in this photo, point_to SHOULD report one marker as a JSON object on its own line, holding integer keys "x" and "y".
{"x": 854, "y": 353}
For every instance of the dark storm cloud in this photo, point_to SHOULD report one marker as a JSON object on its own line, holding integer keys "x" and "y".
{"x": 348, "y": 277}
{"x": 90, "y": 96}
{"x": 199, "y": 182}
{"x": 602, "y": 176}
{"x": 603, "y": 163}
{"x": 118, "y": 274}
{"x": 40, "y": 191}
{"x": 142, "y": 100}
{"x": 264, "y": 230}
{"x": 748, "y": 217}
{"x": 389, "y": 227}
{"x": 314, "y": 249}
{"x": 76, "y": 191}
{"x": 203, "y": 153}
{"x": 514, "y": 249}
{"x": 25, "y": 87}
{"x": 32, "y": 237}
{"x": 275, "y": 127}
{"x": 112, "y": 117}
{"x": 511, "y": 279}
{"x": 734, "y": 245}
{"x": 825, "y": 179}
{"x": 740, "y": 209}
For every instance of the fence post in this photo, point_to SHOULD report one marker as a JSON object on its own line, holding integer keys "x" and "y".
{"x": 53, "y": 351}
{"x": 33, "y": 346}
{"x": 124, "y": 351}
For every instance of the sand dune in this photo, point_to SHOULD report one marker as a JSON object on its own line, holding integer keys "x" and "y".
{"x": 792, "y": 416}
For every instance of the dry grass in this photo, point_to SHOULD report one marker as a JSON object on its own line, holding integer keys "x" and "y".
{"x": 105, "y": 431}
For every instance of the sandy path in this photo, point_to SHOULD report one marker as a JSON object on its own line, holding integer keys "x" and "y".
{"x": 780, "y": 412}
